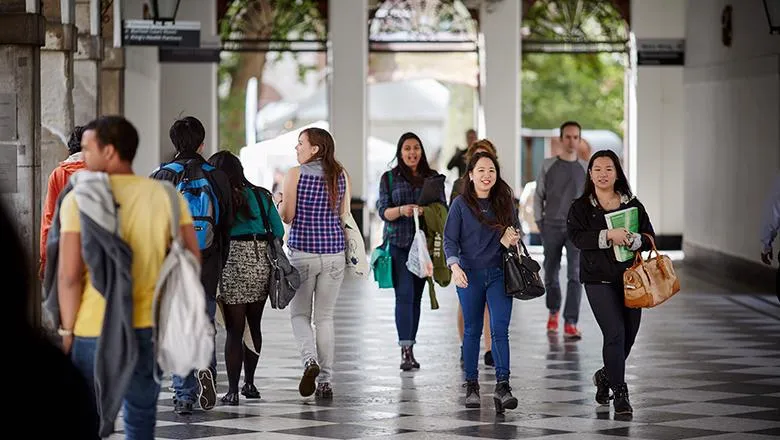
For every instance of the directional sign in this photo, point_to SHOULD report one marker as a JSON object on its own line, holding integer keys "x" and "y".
{"x": 151, "y": 33}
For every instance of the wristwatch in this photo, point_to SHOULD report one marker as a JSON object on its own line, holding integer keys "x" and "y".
{"x": 62, "y": 332}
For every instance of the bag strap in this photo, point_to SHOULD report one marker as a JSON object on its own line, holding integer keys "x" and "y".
{"x": 263, "y": 213}
{"x": 173, "y": 196}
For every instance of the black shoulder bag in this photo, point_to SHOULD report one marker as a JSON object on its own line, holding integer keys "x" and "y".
{"x": 521, "y": 274}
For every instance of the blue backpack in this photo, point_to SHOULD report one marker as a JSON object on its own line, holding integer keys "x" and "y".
{"x": 193, "y": 182}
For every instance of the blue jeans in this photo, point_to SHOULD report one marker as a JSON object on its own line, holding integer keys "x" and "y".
{"x": 140, "y": 401}
{"x": 186, "y": 388}
{"x": 485, "y": 285}
{"x": 408, "y": 295}
{"x": 554, "y": 239}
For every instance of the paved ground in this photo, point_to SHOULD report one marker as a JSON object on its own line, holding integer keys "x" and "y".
{"x": 706, "y": 365}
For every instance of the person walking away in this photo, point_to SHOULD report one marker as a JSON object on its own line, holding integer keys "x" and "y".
{"x": 479, "y": 229}
{"x": 243, "y": 286}
{"x": 607, "y": 191}
{"x": 207, "y": 191}
{"x": 560, "y": 181}
{"x": 313, "y": 202}
{"x": 58, "y": 179}
{"x": 93, "y": 316}
{"x": 399, "y": 190}
{"x": 770, "y": 227}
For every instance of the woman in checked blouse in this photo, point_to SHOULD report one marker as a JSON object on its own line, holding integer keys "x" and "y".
{"x": 312, "y": 202}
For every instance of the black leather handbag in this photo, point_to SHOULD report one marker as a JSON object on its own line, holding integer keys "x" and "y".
{"x": 521, "y": 274}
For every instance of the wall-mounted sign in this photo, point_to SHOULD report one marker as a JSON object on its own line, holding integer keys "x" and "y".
{"x": 150, "y": 33}
{"x": 660, "y": 52}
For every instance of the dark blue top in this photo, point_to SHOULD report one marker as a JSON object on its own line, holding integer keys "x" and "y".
{"x": 468, "y": 242}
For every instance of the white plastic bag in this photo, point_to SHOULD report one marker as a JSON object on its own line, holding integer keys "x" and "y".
{"x": 419, "y": 260}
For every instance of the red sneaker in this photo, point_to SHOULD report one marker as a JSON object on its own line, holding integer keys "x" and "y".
{"x": 552, "y": 323}
{"x": 570, "y": 332}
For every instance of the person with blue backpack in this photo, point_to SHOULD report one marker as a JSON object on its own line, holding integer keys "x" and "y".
{"x": 208, "y": 194}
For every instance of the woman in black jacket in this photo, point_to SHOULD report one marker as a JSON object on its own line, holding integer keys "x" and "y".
{"x": 607, "y": 191}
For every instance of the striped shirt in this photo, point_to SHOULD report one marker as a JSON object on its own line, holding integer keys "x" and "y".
{"x": 316, "y": 227}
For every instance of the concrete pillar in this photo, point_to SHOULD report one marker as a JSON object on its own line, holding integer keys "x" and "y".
{"x": 86, "y": 62}
{"x": 656, "y": 151}
{"x": 56, "y": 86}
{"x": 112, "y": 70}
{"x": 22, "y": 33}
{"x": 348, "y": 62}
{"x": 500, "y": 29}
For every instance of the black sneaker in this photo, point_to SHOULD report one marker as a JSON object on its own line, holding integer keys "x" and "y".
{"x": 489, "y": 359}
{"x": 311, "y": 370}
{"x": 207, "y": 396}
{"x": 324, "y": 391}
{"x": 472, "y": 394}
{"x": 249, "y": 391}
{"x": 182, "y": 408}
{"x": 622, "y": 404}
{"x": 503, "y": 398}
{"x": 602, "y": 387}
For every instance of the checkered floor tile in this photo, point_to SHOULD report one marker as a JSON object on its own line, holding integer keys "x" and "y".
{"x": 706, "y": 365}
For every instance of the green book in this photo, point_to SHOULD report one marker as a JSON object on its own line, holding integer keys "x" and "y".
{"x": 625, "y": 218}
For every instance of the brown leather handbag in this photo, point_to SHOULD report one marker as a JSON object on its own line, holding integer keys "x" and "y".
{"x": 650, "y": 282}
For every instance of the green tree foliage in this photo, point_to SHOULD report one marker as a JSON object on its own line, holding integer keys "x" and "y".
{"x": 584, "y": 87}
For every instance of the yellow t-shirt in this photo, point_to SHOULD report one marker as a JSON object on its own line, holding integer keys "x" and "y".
{"x": 145, "y": 225}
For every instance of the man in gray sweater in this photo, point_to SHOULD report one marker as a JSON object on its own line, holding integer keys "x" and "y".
{"x": 560, "y": 181}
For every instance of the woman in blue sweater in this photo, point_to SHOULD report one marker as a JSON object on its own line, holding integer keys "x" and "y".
{"x": 480, "y": 226}
{"x": 243, "y": 286}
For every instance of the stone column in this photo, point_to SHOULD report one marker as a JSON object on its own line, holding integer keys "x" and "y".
{"x": 22, "y": 33}
{"x": 112, "y": 70}
{"x": 56, "y": 87}
{"x": 348, "y": 25}
{"x": 86, "y": 62}
{"x": 500, "y": 25}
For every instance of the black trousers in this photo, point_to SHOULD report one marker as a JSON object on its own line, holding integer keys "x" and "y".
{"x": 619, "y": 326}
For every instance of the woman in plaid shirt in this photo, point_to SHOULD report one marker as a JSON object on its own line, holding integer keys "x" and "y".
{"x": 312, "y": 202}
{"x": 399, "y": 190}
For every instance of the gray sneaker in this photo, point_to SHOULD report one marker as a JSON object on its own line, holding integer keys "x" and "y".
{"x": 472, "y": 394}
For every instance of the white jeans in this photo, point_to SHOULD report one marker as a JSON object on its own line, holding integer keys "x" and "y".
{"x": 321, "y": 278}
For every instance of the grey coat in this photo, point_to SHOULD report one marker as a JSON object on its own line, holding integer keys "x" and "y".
{"x": 108, "y": 259}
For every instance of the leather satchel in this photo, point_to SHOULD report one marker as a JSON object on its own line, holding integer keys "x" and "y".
{"x": 521, "y": 274}
{"x": 650, "y": 282}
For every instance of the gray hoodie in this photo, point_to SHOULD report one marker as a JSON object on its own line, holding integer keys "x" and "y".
{"x": 108, "y": 259}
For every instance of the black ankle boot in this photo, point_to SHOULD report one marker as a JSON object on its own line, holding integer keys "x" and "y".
{"x": 406, "y": 358}
{"x": 502, "y": 397}
{"x": 602, "y": 387}
{"x": 415, "y": 364}
{"x": 622, "y": 404}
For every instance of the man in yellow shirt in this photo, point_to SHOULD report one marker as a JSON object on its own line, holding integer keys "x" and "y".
{"x": 144, "y": 217}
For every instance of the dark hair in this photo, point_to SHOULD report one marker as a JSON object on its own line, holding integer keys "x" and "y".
{"x": 229, "y": 164}
{"x": 116, "y": 131}
{"x": 501, "y": 197}
{"x": 74, "y": 142}
{"x": 482, "y": 144}
{"x": 187, "y": 134}
{"x": 570, "y": 124}
{"x": 423, "y": 169}
{"x": 621, "y": 183}
{"x": 332, "y": 169}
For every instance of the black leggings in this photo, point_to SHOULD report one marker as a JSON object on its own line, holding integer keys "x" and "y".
{"x": 236, "y": 316}
{"x": 619, "y": 326}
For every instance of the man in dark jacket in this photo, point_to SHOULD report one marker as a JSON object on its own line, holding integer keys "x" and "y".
{"x": 187, "y": 135}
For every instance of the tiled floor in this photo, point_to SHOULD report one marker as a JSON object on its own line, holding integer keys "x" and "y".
{"x": 706, "y": 365}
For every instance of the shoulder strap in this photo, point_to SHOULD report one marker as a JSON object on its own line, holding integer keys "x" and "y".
{"x": 173, "y": 196}
{"x": 263, "y": 214}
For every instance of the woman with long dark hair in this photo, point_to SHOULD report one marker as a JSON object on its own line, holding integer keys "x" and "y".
{"x": 243, "y": 285}
{"x": 313, "y": 202}
{"x": 480, "y": 227}
{"x": 607, "y": 191}
{"x": 399, "y": 190}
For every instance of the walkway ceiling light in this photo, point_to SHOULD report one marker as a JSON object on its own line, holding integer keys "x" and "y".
{"x": 772, "y": 9}
{"x": 165, "y": 10}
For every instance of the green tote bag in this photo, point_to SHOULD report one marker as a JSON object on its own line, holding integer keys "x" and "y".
{"x": 382, "y": 265}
